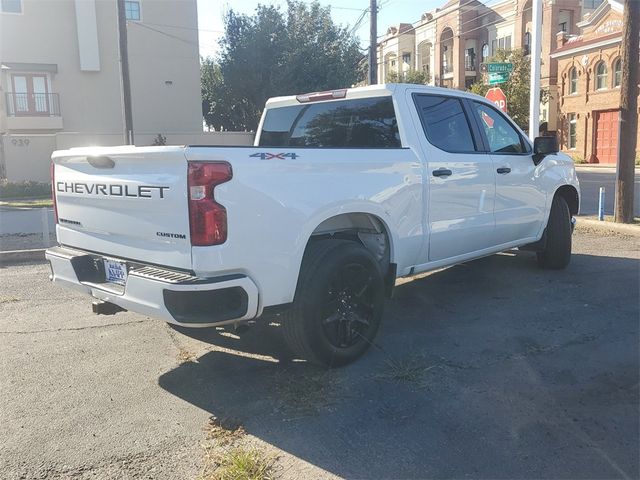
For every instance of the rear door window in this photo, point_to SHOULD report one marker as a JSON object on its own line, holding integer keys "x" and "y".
{"x": 445, "y": 123}
{"x": 357, "y": 123}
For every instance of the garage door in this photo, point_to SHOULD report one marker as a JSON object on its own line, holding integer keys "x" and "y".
{"x": 607, "y": 136}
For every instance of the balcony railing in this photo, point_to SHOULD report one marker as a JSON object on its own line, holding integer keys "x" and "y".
{"x": 447, "y": 68}
{"x": 469, "y": 63}
{"x": 33, "y": 104}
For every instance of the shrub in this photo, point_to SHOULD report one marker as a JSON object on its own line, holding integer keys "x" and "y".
{"x": 26, "y": 189}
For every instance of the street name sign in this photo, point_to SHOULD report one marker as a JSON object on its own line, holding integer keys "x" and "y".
{"x": 499, "y": 67}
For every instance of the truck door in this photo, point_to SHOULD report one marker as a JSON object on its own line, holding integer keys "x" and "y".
{"x": 520, "y": 196}
{"x": 461, "y": 179}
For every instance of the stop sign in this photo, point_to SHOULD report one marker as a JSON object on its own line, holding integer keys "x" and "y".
{"x": 497, "y": 96}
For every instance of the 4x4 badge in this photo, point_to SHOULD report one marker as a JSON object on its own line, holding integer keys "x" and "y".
{"x": 274, "y": 156}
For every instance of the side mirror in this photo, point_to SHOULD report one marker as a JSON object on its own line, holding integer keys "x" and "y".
{"x": 543, "y": 146}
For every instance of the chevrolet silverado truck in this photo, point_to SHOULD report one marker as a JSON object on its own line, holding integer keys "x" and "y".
{"x": 342, "y": 193}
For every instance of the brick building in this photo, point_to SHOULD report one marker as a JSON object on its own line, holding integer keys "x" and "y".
{"x": 450, "y": 42}
{"x": 589, "y": 77}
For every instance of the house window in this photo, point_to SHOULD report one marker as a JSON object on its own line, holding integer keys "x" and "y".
{"x": 132, "y": 10}
{"x": 573, "y": 81}
{"x": 503, "y": 43}
{"x": 30, "y": 95}
{"x": 485, "y": 52}
{"x": 11, "y": 6}
{"x": 617, "y": 73}
{"x": 573, "y": 126}
{"x": 406, "y": 58}
{"x": 601, "y": 76}
{"x": 563, "y": 26}
{"x": 470, "y": 59}
{"x": 527, "y": 44}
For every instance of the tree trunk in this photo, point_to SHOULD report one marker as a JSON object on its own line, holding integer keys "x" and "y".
{"x": 628, "y": 112}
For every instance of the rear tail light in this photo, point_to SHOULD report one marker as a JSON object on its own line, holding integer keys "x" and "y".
{"x": 53, "y": 191}
{"x": 207, "y": 218}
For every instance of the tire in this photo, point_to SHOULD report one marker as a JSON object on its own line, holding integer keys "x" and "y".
{"x": 557, "y": 250}
{"x": 338, "y": 304}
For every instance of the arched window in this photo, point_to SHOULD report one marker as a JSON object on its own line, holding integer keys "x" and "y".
{"x": 527, "y": 43}
{"x": 617, "y": 73}
{"x": 485, "y": 52}
{"x": 601, "y": 76}
{"x": 573, "y": 81}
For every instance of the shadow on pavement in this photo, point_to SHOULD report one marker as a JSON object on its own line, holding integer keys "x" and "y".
{"x": 491, "y": 369}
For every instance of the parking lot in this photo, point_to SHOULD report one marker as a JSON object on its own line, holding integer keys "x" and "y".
{"x": 491, "y": 369}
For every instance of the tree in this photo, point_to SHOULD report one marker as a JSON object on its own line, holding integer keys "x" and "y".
{"x": 628, "y": 113}
{"x": 516, "y": 88}
{"x": 271, "y": 53}
{"x": 410, "y": 76}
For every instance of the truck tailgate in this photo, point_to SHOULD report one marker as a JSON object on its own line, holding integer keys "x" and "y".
{"x": 125, "y": 202}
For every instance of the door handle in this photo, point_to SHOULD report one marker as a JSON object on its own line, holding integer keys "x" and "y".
{"x": 442, "y": 172}
{"x": 503, "y": 170}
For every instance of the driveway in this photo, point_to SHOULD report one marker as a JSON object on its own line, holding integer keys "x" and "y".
{"x": 492, "y": 369}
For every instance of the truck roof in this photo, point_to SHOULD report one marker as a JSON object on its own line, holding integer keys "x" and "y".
{"x": 372, "y": 91}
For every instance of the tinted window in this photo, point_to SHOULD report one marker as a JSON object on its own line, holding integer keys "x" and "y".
{"x": 502, "y": 136}
{"x": 445, "y": 123}
{"x": 363, "y": 123}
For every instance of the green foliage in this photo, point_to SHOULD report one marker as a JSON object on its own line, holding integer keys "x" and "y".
{"x": 26, "y": 189}
{"x": 410, "y": 76}
{"x": 159, "y": 140}
{"x": 516, "y": 88}
{"x": 273, "y": 53}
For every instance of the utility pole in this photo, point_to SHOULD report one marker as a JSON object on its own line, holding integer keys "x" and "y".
{"x": 536, "y": 47}
{"x": 628, "y": 113}
{"x": 373, "y": 43}
{"x": 124, "y": 70}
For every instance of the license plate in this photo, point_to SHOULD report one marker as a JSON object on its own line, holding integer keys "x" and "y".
{"x": 115, "y": 272}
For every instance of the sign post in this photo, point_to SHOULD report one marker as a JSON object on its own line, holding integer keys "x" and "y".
{"x": 497, "y": 96}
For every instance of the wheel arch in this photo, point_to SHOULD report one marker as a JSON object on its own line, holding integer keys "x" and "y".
{"x": 571, "y": 196}
{"x": 365, "y": 227}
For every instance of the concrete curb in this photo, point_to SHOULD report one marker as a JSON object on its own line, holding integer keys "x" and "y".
{"x": 16, "y": 257}
{"x": 608, "y": 227}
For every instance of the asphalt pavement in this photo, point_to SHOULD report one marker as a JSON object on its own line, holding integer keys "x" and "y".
{"x": 491, "y": 369}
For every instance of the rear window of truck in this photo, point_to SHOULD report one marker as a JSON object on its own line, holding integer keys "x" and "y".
{"x": 357, "y": 123}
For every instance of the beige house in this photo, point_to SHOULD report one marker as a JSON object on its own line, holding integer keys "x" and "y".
{"x": 450, "y": 42}
{"x": 60, "y": 80}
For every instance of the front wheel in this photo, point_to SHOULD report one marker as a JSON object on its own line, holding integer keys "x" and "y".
{"x": 557, "y": 250}
{"x": 338, "y": 304}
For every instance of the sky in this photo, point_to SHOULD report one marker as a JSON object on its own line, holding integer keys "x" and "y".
{"x": 346, "y": 13}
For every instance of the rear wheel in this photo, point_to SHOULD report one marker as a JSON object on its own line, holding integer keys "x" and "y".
{"x": 338, "y": 304}
{"x": 557, "y": 250}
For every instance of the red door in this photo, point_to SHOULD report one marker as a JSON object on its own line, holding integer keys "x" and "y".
{"x": 606, "y": 147}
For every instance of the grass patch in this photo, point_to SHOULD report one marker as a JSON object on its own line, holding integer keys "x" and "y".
{"x": 30, "y": 203}
{"x": 411, "y": 370}
{"x": 224, "y": 431}
{"x": 240, "y": 463}
{"x": 304, "y": 389}
{"x": 13, "y": 190}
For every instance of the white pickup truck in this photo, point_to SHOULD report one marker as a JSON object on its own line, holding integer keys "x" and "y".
{"x": 342, "y": 193}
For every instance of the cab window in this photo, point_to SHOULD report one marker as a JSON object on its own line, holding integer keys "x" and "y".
{"x": 355, "y": 123}
{"x": 445, "y": 123}
{"x": 501, "y": 135}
